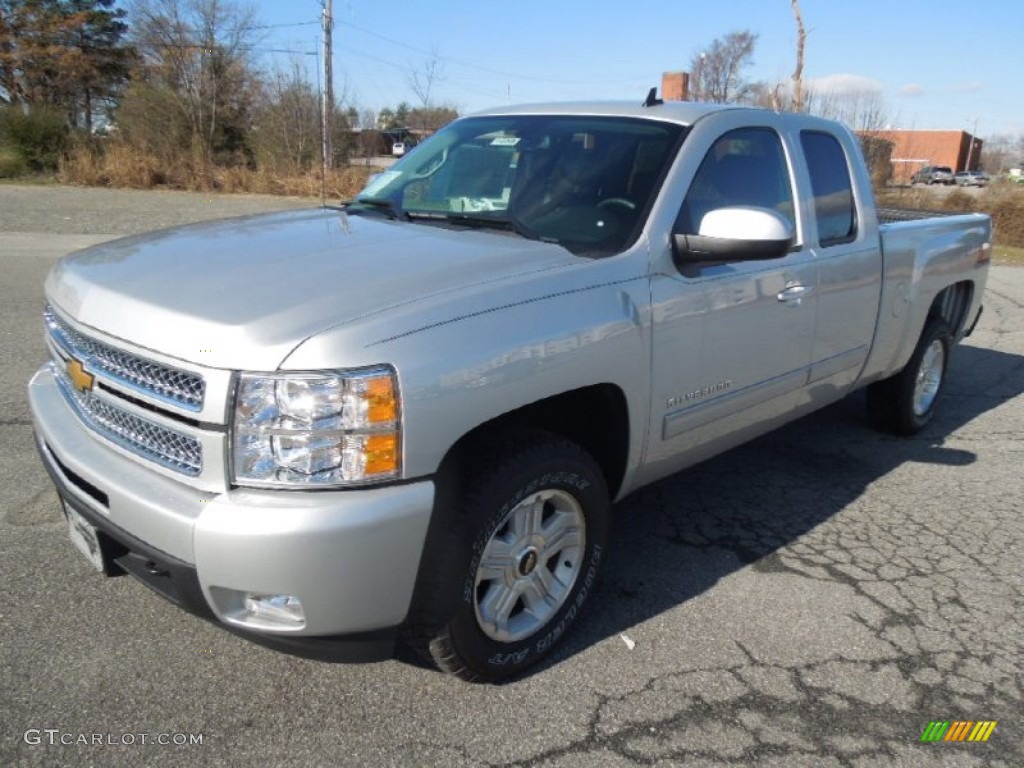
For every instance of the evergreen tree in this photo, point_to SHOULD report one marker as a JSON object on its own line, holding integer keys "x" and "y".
{"x": 63, "y": 54}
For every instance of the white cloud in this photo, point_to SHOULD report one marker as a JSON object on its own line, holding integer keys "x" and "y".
{"x": 845, "y": 84}
{"x": 911, "y": 89}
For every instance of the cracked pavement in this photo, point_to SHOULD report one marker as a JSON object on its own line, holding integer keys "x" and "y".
{"x": 814, "y": 598}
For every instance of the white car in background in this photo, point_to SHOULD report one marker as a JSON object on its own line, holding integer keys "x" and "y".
{"x": 971, "y": 179}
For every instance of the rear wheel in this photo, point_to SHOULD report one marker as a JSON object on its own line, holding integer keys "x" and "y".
{"x": 504, "y": 578}
{"x": 904, "y": 403}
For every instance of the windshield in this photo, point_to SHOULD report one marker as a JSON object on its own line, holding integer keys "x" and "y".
{"x": 583, "y": 182}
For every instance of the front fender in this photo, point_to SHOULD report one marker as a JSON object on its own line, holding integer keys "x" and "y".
{"x": 457, "y": 376}
{"x": 488, "y": 355}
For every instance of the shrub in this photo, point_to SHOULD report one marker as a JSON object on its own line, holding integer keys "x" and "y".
{"x": 1008, "y": 220}
{"x": 115, "y": 163}
{"x": 12, "y": 164}
{"x": 1004, "y": 203}
{"x": 40, "y": 137}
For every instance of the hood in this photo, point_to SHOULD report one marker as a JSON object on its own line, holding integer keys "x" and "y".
{"x": 243, "y": 293}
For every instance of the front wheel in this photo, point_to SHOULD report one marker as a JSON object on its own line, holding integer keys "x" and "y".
{"x": 904, "y": 403}
{"x": 521, "y": 556}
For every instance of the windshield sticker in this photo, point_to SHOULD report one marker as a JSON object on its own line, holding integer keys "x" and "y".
{"x": 380, "y": 181}
{"x": 505, "y": 141}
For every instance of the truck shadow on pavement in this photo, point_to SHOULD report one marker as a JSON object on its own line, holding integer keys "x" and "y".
{"x": 676, "y": 539}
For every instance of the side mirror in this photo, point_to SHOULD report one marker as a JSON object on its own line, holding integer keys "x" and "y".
{"x": 738, "y": 233}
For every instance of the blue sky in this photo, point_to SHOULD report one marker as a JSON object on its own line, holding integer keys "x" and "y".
{"x": 934, "y": 63}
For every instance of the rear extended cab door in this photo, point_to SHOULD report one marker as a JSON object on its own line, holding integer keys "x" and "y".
{"x": 731, "y": 343}
{"x": 842, "y": 236}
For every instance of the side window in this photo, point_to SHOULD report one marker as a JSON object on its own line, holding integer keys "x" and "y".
{"x": 744, "y": 167}
{"x": 833, "y": 192}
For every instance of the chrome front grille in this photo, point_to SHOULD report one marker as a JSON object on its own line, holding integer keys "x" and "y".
{"x": 163, "y": 382}
{"x": 152, "y": 441}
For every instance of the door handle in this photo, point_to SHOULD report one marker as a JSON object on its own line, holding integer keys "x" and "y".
{"x": 793, "y": 293}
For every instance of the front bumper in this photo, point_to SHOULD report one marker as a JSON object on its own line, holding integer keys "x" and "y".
{"x": 351, "y": 557}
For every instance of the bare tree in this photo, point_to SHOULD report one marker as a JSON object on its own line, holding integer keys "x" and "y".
{"x": 862, "y": 109}
{"x": 798, "y": 73}
{"x": 1002, "y": 152}
{"x": 286, "y": 128}
{"x": 424, "y": 77}
{"x": 367, "y": 119}
{"x": 199, "y": 52}
{"x": 716, "y": 71}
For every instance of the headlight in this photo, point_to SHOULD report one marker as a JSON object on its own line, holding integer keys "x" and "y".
{"x": 316, "y": 429}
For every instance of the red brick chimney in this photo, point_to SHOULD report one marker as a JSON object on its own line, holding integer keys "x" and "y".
{"x": 675, "y": 86}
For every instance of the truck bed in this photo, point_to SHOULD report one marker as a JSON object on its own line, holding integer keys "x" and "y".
{"x": 892, "y": 215}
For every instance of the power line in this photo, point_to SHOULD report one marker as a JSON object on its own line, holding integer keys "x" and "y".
{"x": 203, "y": 47}
{"x": 491, "y": 93}
{"x": 479, "y": 67}
{"x": 282, "y": 26}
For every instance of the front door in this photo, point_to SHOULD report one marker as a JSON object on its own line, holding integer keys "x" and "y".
{"x": 732, "y": 342}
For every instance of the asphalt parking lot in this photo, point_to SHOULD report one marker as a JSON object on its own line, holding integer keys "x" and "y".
{"x": 814, "y": 598}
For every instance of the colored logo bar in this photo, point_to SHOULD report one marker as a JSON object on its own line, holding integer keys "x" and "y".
{"x": 958, "y": 730}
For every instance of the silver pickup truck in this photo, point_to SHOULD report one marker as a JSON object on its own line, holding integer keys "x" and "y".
{"x": 406, "y": 418}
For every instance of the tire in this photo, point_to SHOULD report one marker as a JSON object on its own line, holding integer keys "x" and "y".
{"x": 504, "y": 577}
{"x": 904, "y": 403}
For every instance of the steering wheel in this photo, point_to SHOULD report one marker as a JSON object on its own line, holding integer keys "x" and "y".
{"x": 624, "y": 202}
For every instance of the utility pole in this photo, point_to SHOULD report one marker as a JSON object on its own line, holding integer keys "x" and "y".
{"x": 970, "y": 146}
{"x": 328, "y": 95}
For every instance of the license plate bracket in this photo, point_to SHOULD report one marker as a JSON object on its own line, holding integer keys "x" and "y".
{"x": 85, "y": 537}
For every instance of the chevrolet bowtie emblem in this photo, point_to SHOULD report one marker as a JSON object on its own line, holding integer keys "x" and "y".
{"x": 80, "y": 377}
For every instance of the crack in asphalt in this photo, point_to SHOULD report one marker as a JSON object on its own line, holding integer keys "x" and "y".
{"x": 931, "y": 589}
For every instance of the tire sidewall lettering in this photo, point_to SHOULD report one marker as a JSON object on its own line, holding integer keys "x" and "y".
{"x": 495, "y": 484}
{"x": 581, "y": 597}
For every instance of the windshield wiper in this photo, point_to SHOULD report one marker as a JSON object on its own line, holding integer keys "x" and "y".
{"x": 381, "y": 205}
{"x": 483, "y": 221}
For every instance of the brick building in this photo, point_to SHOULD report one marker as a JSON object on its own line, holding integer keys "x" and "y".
{"x": 913, "y": 150}
{"x": 675, "y": 86}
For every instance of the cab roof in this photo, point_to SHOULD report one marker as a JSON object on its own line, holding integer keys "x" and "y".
{"x": 682, "y": 112}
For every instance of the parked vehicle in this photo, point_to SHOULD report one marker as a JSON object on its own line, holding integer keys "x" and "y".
{"x": 933, "y": 174}
{"x": 398, "y": 148}
{"x": 409, "y": 417}
{"x": 972, "y": 179}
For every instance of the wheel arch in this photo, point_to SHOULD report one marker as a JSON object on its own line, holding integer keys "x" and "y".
{"x": 594, "y": 417}
{"x": 952, "y": 304}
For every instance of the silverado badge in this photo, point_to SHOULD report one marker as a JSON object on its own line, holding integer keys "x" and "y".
{"x": 80, "y": 377}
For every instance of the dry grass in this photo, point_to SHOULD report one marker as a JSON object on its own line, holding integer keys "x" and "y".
{"x": 120, "y": 165}
{"x": 1004, "y": 255}
{"x": 1003, "y": 202}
